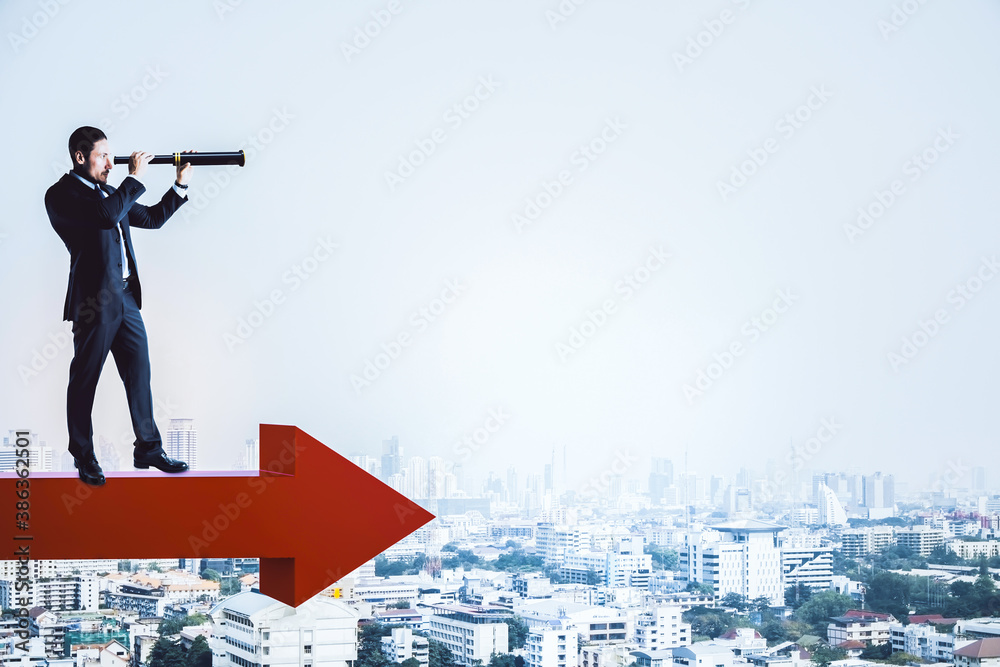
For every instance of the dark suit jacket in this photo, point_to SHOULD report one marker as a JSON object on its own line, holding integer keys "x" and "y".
{"x": 88, "y": 225}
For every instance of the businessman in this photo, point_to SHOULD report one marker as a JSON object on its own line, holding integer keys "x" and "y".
{"x": 104, "y": 295}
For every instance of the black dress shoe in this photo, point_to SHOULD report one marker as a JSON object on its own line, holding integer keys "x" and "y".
{"x": 90, "y": 471}
{"x": 160, "y": 462}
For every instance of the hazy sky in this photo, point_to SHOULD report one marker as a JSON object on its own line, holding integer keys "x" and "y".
{"x": 590, "y": 206}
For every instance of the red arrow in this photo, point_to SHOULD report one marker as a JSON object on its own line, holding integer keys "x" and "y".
{"x": 311, "y": 515}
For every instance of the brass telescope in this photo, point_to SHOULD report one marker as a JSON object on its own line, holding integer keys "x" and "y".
{"x": 196, "y": 159}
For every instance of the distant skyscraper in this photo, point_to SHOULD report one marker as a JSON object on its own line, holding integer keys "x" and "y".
{"x": 831, "y": 511}
{"x": 979, "y": 478}
{"x": 416, "y": 475}
{"x": 107, "y": 454}
{"x": 879, "y": 492}
{"x": 182, "y": 442}
{"x": 249, "y": 458}
{"x": 661, "y": 476}
{"x": 392, "y": 457}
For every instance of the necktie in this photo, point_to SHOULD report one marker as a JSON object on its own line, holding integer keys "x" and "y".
{"x": 121, "y": 233}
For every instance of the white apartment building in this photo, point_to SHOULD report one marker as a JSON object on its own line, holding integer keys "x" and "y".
{"x": 922, "y": 540}
{"x": 662, "y": 628}
{"x": 253, "y": 630}
{"x": 402, "y": 645}
{"x": 554, "y": 541}
{"x": 79, "y": 593}
{"x": 811, "y": 566}
{"x": 859, "y": 542}
{"x": 551, "y": 644}
{"x": 742, "y": 557}
{"x": 869, "y": 627}
{"x": 470, "y": 632}
{"x": 923, "y": 641}
{"x": 975, "y": 550}
{"x": 578, "y": 566}
{"x": 627, "y": 565}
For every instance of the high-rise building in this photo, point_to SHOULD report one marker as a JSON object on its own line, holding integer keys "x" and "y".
{"x": 416, "y": 477}
{"x": 182, "y": 442}
{"x": 742, "y": 557}
{"x": 249, "y": 458}
{"x": 879, "y": 495}
{"x": 979, "y": 478}
{"x": 392, "y": 457}
{"x": 108, "y": 455}
{"x": 831, "y": 511}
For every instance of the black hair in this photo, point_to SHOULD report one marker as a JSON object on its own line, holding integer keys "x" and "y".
{"x": 83, "y": 140}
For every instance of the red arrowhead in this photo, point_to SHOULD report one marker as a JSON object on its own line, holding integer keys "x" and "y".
{"x": 311, "y": 515}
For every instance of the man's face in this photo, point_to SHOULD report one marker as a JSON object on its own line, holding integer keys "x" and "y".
{"x": 98, "y": 165}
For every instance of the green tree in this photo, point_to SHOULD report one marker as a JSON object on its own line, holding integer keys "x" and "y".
{"x": 889, "y": 592}
{"x": 211, "y": 575}
{"x": 517, "y": 632}
{"x": 439, "y": 655}
{"x": 410, "y": 662}
{"x": 502, "y": 660}
{"x": 902, "y": 658}
{"x": 823, "y": 655}
{"x": 593, "y": 578}
{"x": 124, "y": 566}
{"x": 734, "y": 600}
{"x": 698, "y": 587}
{"x": 165, "y": 653}
{"x": 797, "y": 595}
{"x": 174, "y": 625}
{"x": 401, "y": 604}
{"x": 370, "y": 646}
{"x": 230, "y": 586}
{"x": 820, "y": 608}
{"x": 199, "y": 655}
{"x": 708, "y": 622}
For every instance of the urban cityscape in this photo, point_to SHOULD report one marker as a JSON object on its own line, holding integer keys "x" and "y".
{"x": 661, "y": 567}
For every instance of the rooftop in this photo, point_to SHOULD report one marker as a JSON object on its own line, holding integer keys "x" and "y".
{"x": 984, "y": 648}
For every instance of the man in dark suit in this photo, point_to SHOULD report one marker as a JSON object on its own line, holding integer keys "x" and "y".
{"x": 104, "y": 295}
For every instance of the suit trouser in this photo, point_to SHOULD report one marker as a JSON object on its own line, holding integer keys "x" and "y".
{"x": 124, "y": 335}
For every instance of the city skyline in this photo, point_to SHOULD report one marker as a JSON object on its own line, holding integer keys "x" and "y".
{"x": 674, "y": 242}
